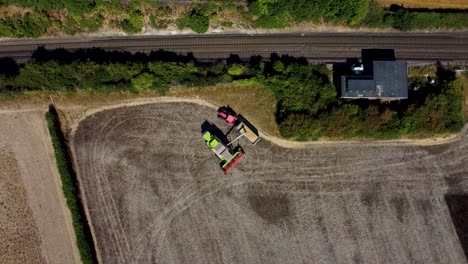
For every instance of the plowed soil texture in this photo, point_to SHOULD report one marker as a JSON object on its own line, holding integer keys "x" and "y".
{"x": 156, "y": 194}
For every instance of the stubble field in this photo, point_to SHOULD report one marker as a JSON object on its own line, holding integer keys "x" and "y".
{"x": 35, "y": 224}
{"x": 156, "y": 194}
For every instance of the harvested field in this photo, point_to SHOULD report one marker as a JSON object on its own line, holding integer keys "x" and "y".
{"x": 20, "y": 242}
{"x": 156, "y": 194}
{"x": 35, "y": 225}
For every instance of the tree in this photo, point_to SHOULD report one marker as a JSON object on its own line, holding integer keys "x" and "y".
{"x": 115, "y": 72}
{"x": 194, "y": 20}
{"x": 30, "y": 25}
{"x": 266, "y": 5}
{"x": 301, "y": 88}
{"x": 133, "y": 22}
{"x": 142, "y": 82}
{"x": 238, "y": 69}
{"x": 402, "y": 20}
{"x": 306, "y": 10}
{"x": 199, "y": 23}
{"x": 254, "y": 9}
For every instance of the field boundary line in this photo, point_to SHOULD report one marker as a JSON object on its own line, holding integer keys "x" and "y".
{"x": 285, "y": 143}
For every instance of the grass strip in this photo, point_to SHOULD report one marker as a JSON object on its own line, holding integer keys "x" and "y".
{"x": 70, "y": 189}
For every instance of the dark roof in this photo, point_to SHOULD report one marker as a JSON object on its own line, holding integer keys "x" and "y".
{"x": 389, "y": 80}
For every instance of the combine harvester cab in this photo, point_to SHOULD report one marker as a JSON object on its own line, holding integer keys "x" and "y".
{"x": 229, "y": 156}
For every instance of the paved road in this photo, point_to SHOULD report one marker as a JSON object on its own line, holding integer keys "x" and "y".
{"x": 318, "y": 46}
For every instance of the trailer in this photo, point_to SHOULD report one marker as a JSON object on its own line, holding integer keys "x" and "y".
{"x": 249, "y": 131}
{"x": 245, "y": 128}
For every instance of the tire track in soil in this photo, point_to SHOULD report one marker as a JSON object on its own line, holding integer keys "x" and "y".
{"x": 113, "y": 225}
{"x": 197, "y": 187}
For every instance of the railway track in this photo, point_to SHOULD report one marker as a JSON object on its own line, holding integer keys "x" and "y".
{"x": 450, "y": 47}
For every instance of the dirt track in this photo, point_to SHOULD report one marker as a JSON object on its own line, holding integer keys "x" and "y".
{"x": 156, "y": 195}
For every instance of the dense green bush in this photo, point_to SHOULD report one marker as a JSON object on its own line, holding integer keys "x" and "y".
{"x": 404, "y": 20}
{"x": 238, "y": 69}
{"x": 90, "y": 15}
{"x": 158, "y": 23}
{"x": 107, "y": 77}
{"x": 276, "y": 13}
{"x": 133, "y": 22}
{"x": 30, "y": 25}
{"x": 307, "y": 104}
{"x": 194, "y": 20}
{"x": 301, "y": 88}
{"x": 433, "y": 20}
{"x": 199, "y": 23}
{"x": 432, "y": 108}
{"x": 92, "y": 24}
{"x": 70, "y": 189}
{"x": 142, "y": 82}
{"x": 377, "y": 17}
{"x": 270, "y": 22}
{"x": 254, "y": 9}
{"x": 76, "y": 7}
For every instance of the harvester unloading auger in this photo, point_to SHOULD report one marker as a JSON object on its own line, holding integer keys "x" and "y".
{"x": 225, "y": 151}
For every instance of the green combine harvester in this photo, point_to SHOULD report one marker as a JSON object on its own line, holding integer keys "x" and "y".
{"x": 228, "y": 155}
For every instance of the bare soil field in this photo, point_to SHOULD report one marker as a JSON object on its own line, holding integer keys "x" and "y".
{"x": 156, "y": 194}
{"x": 35, "y": 225}
{"x": 462, "y": 4}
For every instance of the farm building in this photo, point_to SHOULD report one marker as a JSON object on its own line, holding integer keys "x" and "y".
{"x": 381, "y": 80}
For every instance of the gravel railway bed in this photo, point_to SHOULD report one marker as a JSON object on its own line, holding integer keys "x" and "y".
{"x": 156, "y": 194}
{"x": 313, "y": 46}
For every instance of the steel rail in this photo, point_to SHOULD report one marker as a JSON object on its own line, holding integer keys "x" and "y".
{"x": 317, "y": 46}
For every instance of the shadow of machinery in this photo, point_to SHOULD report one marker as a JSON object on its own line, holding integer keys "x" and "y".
{"x": 214, "y": 130}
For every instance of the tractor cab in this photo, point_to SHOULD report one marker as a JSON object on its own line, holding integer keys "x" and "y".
{"x": 227, "y": 114}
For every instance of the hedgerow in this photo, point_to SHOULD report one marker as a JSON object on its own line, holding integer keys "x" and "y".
{"x": 90, "y": 15}
{"x": 194, "y": 20}
{"x": 404, "y": 19}
{"x": 30, "y": 25}
{"x": 307, "y": 101}
{"x": 70, "y": 189}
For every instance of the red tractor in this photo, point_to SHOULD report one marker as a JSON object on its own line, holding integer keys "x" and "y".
{"x": 227, "y": 114}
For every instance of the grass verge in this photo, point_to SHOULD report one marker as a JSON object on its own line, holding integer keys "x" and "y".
{"x": 464, "y": 77}
{"x": 70, "y": 189}
{"x": 253, "y": 101}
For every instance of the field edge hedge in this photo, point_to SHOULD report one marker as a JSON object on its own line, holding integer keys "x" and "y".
{"x": 70, "y": 189}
